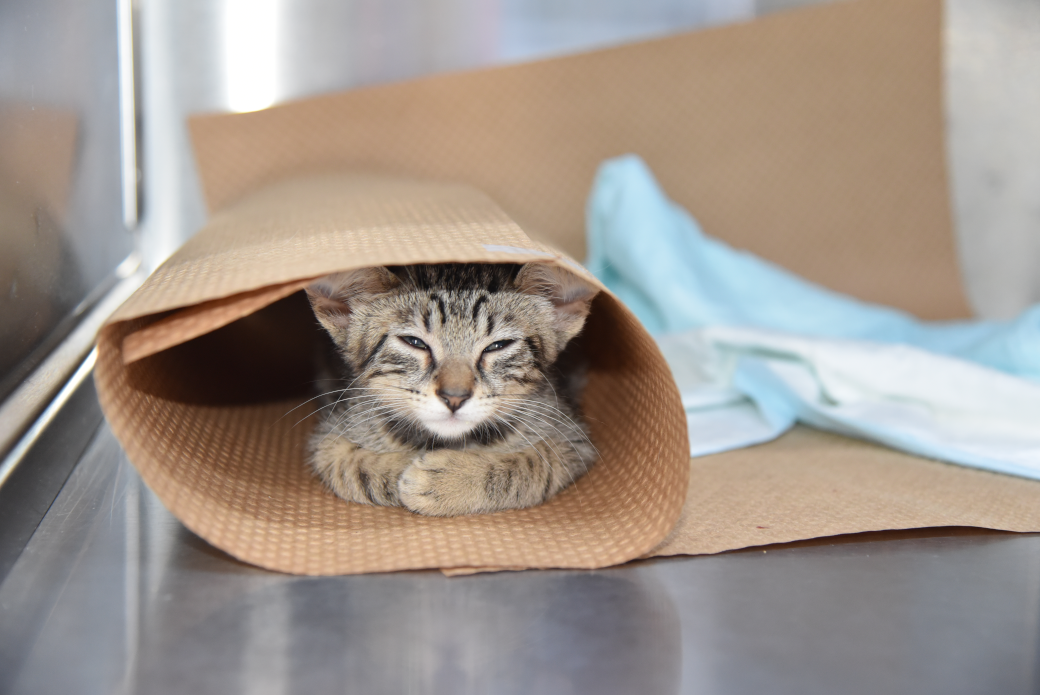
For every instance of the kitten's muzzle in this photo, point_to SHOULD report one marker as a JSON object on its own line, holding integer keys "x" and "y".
{"x": 453, "y": 398}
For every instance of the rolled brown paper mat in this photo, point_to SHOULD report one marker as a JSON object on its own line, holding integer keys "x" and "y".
{"x": 207, "y": 422}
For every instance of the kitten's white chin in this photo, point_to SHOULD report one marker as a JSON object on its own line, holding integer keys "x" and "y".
{"x": 450, "y": 427}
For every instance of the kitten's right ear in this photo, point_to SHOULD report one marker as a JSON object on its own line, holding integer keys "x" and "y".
{"x": 331, "y": 297}
{"x": 571, "y": 297}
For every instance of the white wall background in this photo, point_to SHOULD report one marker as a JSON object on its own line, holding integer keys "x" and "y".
{"x": 993, "y": 106}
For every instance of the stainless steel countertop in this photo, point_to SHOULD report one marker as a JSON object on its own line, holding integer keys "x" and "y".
{"x": 113, "y": 595}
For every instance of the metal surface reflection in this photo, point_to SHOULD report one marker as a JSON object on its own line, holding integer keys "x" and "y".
{"x": 945, "y": 614}
{"x": 544, "y": 633}
{"x": 113, "y": 595}
{"x": 38, "y": 269}
{"x": 62, "y": 230}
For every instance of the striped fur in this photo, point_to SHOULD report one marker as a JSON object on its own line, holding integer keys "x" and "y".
{"x": 450, "y": 396}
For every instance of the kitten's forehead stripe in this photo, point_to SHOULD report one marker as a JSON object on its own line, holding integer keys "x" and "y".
{"x": 494, "y": 277}
{"x": 440, "y": 307}
{"x": 481, "y": 300}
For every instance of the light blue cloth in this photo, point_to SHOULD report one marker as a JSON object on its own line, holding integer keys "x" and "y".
{"x": 654, "y": 256}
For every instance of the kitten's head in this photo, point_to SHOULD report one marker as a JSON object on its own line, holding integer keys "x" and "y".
{"x": 448, "y": 351}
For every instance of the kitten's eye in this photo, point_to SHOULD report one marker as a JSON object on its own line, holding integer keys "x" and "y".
{"x": 498, "y": 345}
{"x": 415, "y": 342}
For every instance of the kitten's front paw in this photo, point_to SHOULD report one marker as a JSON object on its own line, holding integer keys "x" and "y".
{"x": 435, "y": 484}
{"x": 446, "y": 482}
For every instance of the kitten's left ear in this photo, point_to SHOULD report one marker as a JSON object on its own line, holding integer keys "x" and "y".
{"x": 570, "y": 296}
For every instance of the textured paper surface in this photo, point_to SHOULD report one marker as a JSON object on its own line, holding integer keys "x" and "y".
{"x": 812, "y": 138}
{"x": 809, "y": 484}
{"x": 200, "y": 319}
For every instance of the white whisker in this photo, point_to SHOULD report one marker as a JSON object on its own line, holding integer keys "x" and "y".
{"x": 330, "y": 405}
{"x": 546, "y": 410}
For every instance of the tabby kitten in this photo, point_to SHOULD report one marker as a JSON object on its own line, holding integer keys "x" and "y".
{"x": 451, "y": 400}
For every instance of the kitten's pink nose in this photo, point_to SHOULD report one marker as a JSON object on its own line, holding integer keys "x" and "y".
{"x": 453, "y": 398}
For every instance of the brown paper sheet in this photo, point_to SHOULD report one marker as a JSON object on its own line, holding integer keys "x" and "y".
{"x": 812, "y": 138}
{"x": 809, "y": 484}
{"x": 200, "y": 319}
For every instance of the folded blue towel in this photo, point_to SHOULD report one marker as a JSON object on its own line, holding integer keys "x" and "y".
{"x": 755, "y": 348}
